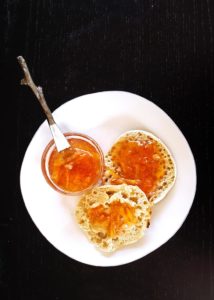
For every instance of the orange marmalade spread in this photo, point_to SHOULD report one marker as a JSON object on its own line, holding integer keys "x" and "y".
{"x": 76, "y": 168}
{"x": 138, "y": 163}
{"x": 112, "y": 218}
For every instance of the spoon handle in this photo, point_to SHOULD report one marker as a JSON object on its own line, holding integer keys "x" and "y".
{"x": 27, "y": 80}
{"x": 59, "y": 139}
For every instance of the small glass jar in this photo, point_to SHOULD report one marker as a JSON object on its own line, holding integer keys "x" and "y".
{"x": 75, "y": 170}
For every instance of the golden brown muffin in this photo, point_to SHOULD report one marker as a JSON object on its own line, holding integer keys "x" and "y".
{"x": 140, "y": 158}
{"x": 113, "y": 216}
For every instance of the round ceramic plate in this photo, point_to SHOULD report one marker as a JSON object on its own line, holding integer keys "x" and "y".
{"x": 104, "y": 116}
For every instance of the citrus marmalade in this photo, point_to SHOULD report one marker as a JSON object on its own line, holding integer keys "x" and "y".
{"x": 138, "y": 163}
{"x": 113, "y": 217}
{"x": 74, "y": 169}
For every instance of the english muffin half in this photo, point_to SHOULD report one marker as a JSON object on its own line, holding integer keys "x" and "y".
{"x": 140, "y": 158}
{"x": 113, "y": 216}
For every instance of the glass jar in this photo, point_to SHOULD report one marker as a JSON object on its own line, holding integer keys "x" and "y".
{"x": 75, "y": 170}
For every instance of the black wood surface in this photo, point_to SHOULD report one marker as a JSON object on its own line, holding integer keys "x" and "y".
{"x": 161, "y": 50}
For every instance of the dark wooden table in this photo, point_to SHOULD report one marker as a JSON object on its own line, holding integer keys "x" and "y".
{"x": 161, "y": 50}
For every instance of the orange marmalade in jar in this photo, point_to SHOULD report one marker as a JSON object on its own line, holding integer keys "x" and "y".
{"x": 75, "y": 169}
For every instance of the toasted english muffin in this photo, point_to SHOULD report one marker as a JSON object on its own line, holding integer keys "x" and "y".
{"x": 140, "y": 158}
{"x": 113, "y": 216}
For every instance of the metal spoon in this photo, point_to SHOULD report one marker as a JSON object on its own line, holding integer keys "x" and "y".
{"x": 59, "y": 139}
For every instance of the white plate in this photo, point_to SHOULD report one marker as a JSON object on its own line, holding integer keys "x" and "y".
{"x": 104, "y": 116}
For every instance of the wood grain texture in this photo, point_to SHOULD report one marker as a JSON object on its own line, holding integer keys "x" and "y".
{"x": 161, "y": 50}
